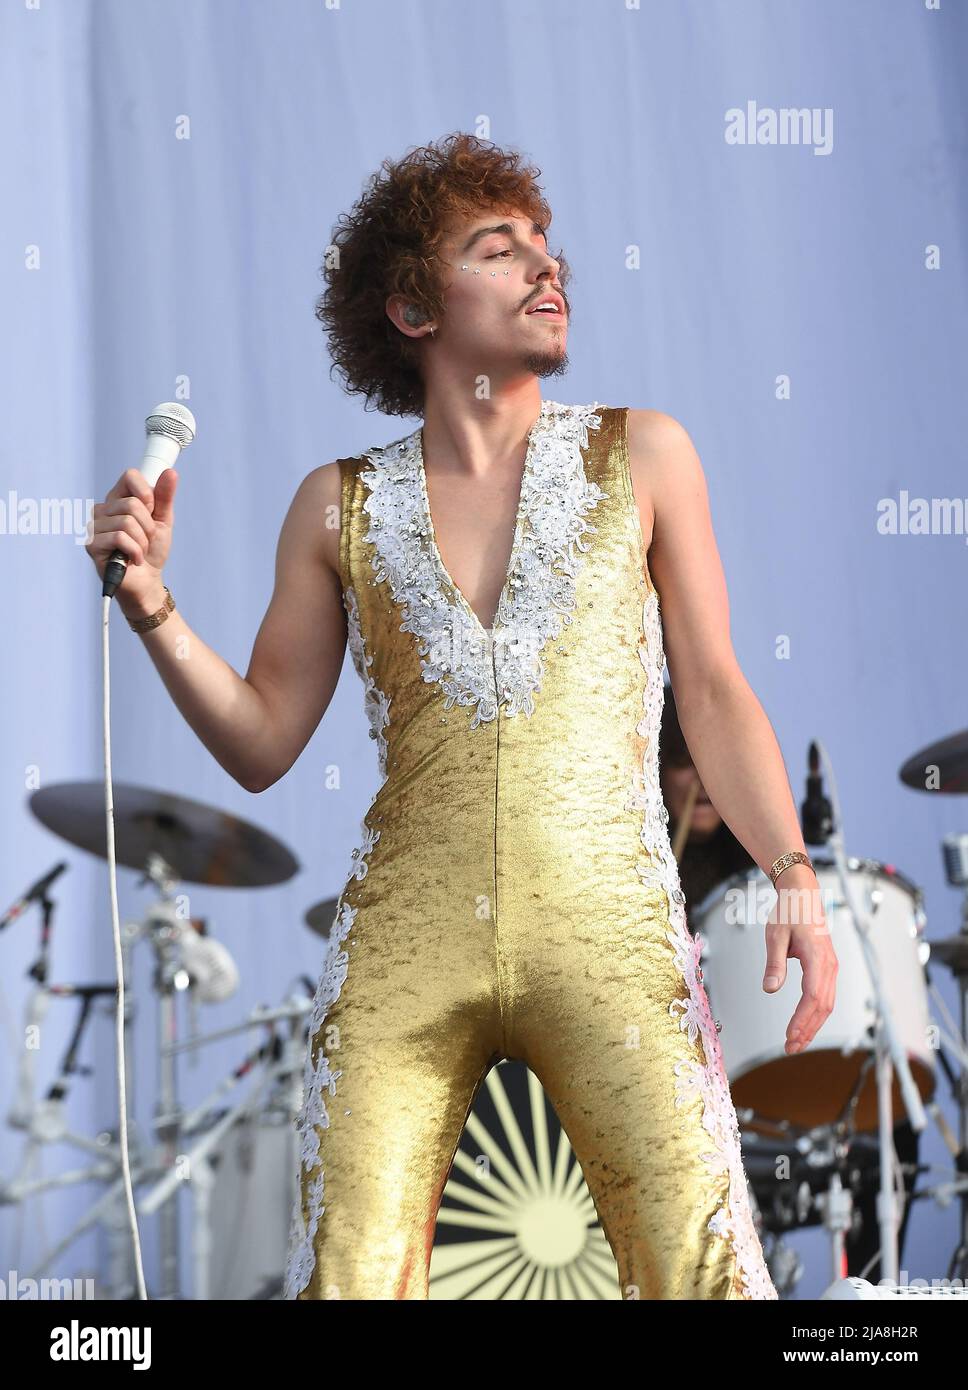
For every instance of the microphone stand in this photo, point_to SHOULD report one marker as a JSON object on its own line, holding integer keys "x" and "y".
{"x": 887, "y": 1048}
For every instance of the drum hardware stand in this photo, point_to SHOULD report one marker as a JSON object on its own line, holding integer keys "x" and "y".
{"x": 44, "y": 1122}
{"x": 170, "y": 840}
{"x": 954, "y": 953}
{"x": 157, "y": 927}
{"x": 957, "y": 872}
{"x": 195, "y": 1165}
{"x": 785, "y": 1264}
{"x": 888, "y": 1051}
{"x": 109, "y": 1209}
{"x": 827, "y": 1147}
{"x": 836, "y": 1205}
{"x": 171, "y": 1125}
{"x": 287, "y": 1060}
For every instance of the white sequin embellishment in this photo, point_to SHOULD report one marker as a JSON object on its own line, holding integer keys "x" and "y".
{"x": 320, "y": 1079}
{"x": 473, "y": 666}
{"x": 734, "y": 1219}
{"x": 375, "y": 703}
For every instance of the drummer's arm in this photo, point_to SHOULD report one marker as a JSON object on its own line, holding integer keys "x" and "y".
{"x": 257, "y": 725}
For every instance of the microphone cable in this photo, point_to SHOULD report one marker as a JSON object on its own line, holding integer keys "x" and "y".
{"x": 169, "y": 428}
{"x": 118, "y": 958}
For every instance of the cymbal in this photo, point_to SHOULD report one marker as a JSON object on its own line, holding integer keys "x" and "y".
{"x": 952, "y": 952}
{"x": 321, "y": 917}
{"x": 202, "y": 845}
{"x": 949, "y": 756}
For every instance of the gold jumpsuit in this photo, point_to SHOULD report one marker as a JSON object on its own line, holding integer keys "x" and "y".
{"x": 514, "y": 893}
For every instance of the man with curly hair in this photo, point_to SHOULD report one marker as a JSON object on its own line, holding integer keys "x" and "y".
{"x": 496, "y": 575}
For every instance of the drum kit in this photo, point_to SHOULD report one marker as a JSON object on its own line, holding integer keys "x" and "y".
{"x": 815, "y": 1126}
{"x": 234, "y": 1155}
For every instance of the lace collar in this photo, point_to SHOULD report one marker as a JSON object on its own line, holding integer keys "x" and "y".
{"x": 475, "y": 666}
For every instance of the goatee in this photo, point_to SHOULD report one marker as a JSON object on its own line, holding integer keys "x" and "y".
{"x": 547, "y": 363}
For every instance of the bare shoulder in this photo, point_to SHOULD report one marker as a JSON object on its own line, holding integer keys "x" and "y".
{"x": 662, "y": 461}
{"x": 315, "y": 511}
{"x": 658, "y": 441}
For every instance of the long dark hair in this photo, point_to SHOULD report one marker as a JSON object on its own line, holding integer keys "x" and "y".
{"x": 701, "y": 866}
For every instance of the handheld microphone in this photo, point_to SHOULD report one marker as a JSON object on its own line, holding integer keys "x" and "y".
{"x": 170, "y": 428}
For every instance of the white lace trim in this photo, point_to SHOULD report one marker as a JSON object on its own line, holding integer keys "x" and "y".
{"x": 733, "y": 1219}
{"x": 320, "y": 1079}
{"x": 375, "y": 703}
{"x": 474, "y": 666}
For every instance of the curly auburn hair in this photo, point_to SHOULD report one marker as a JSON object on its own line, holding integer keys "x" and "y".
{"x": 390, "y": 243}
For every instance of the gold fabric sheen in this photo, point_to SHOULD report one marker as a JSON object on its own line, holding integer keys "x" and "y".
{"x": 501, "y": 914}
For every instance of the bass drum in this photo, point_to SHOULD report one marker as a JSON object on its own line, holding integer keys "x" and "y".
{"x": 816, "y": 1086}
{"x": 251, "y": 1206}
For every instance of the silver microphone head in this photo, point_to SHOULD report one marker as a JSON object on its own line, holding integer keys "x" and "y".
{"x": 175, "y": 420}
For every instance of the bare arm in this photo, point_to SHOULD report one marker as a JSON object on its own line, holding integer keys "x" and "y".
{"x": 257, "y": 725}
{"x": 730, "y": 738}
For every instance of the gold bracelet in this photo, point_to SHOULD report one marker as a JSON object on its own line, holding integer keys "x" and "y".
{"x": 154, "y": 619}
{"x": 795, "y": 856}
